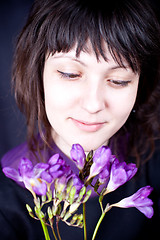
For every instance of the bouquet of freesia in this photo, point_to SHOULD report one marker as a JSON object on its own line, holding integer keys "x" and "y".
{"x": 58, "y": 192}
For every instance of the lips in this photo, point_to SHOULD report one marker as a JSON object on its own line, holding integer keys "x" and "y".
{"x": 88, "y": 126}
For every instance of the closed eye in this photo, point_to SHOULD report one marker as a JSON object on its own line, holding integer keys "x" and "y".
{"x": 120, "y": 83}
{"x": 68, "y": 75}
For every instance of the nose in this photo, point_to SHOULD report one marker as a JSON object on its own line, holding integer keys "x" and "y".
{"x": 93, "y": 101}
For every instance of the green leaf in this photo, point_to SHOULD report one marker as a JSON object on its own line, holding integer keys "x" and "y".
{"x": 50, "y": 214}
{"x": 80, "y": 220}
{"x": 49, "y": 195}
{"x": 72, "y": 195}
{"x": 69, "y": 186}
{"x": 37, "y": 202}
{"x": 74, "y": 207}
{"x": 89, "y": 156}
{"x": 74, "y": 219}
{"x": 43, "y": 198}
{"x": 59, "y": 208}
{"x": 29, "y": 208}
{"x": 81, "y": 194}
{"x": 59, "y": 196}
{"x": 41, "y": 215}
{"x": 54, "y": 210}
{"x": 88, "y": 194}
{"x": 36, "y": 211}
{"x": 67, "y": 215}
{"x": 30, "y": 211}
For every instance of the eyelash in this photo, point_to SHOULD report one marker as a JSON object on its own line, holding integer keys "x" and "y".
{"x": 118, "y": 83}
{"x": 68, "y": 75}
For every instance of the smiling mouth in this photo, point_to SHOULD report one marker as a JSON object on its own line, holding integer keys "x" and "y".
{"x": 87, "y": 126}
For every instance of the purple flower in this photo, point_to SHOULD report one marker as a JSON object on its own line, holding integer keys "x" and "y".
{"x": 120, "y": 174}
{"x": 77, "y": 183}
{"x": 139, "y": 200}
{"x": 78, "y": 155}
{"x": 104, "y": 175}
{"x": 57, "y": 168}
{"x": 61, "y": 184}
{"x": 29, "y": 175}
{"x": 101, "y": 159}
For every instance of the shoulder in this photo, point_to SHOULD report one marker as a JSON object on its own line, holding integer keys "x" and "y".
{"x": 12, "y": 157}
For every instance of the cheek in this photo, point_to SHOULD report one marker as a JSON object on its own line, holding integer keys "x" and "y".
{"x": 59, "y": 99}
{"x": 121, "y": 105}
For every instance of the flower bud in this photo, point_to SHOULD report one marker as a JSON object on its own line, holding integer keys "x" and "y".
{"x": 78, "y": 156}
{"x": 101, "y": 159}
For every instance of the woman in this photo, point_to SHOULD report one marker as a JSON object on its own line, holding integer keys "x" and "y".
{"x": 87, "y": 73}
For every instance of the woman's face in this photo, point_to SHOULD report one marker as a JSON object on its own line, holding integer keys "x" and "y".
{"x": 87, "y": 100}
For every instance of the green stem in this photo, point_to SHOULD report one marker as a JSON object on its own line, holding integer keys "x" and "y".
{"x": 98, "y": 224}
{"x": 51, "y": 225}
{"x": 84, "y": 221}
{"x": 45, "y": 230}
{"x": 101, "y": 205}
{"x": 58, "y": 229}
{"x": 107, "y": 208}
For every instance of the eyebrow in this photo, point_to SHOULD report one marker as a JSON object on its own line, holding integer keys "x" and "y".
{"x": 85, "y": 65}
{"x": 73, "y": 59}
{"x": 119, "y": 67}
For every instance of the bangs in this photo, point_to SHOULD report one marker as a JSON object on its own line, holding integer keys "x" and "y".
{"x": 73, "y": 23}
{"x": 126, "y": 27}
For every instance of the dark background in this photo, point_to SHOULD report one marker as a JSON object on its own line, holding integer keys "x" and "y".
{"x": 13, "y": 14}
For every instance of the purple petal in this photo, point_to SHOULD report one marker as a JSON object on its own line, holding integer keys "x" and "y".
{"x": 95, "y": 169}
{"x": 143, "y": 201}
{"x": 40, "y": 188}
{"x": 102, "y": 155}
{"x": 54, "y": 159}
{"x": 39, "y": 168}
{"x": 12, "y": 173}
{"x": 61, "y": 184}
{"x": 57, "y": 174}
{"x": 46, "y": 177}
{"x": 35, "y": 185}
{"x": 147, "y": 211}
{"x": 78, "y": 155}
{"x": 142, "y": 193}
{"x": 54, "y": 168}
{"x": 101, "y": 159}
{"x": 119, "y": 177}
{"x": 131, "y": 170}
{"x": 77, "y": 183}
{"x": 139, "y": 200}
{"x": 104, "y": 175}
{"x": 25, "y": 166}
{"x": 120, "y": 174}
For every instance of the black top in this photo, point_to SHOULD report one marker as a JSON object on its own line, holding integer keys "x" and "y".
{"x": 121, "y": 224}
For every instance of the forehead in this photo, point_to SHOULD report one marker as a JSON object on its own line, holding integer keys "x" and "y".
{"x": 88, "y": 54}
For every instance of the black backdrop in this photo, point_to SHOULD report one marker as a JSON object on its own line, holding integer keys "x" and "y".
{"x": 13, "y": 14}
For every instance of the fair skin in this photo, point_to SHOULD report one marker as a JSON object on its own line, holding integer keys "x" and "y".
{"x": 87, "y": 100}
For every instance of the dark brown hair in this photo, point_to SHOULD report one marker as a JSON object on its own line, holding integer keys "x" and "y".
{"x": 131, "y": 31}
